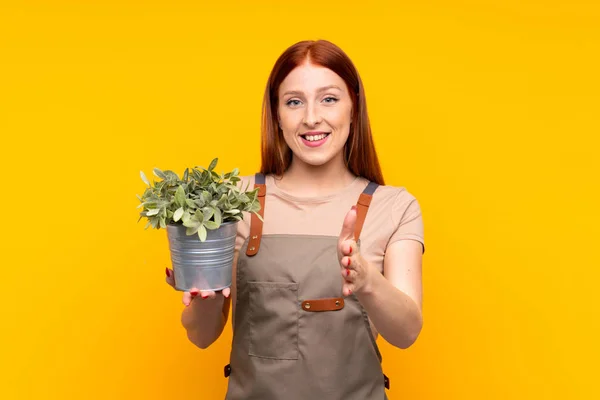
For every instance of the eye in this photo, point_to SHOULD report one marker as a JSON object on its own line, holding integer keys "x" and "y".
{"x": 292, "y": 103}
{"x": 330, "y": 100}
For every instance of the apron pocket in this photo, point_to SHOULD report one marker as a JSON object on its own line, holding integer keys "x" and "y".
{"x": 273, "y": 316}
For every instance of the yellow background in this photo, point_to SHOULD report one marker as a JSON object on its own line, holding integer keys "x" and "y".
{"x": 488, "y": 112}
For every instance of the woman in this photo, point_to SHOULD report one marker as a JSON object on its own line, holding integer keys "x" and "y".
{"x": 318, "y": 281}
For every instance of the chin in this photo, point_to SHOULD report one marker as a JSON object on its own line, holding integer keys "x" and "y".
{"x": 316, "y": 160}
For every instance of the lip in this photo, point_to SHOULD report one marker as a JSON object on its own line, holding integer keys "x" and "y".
{"x": 313, "y": 133}
{"x": 316, "y": 143}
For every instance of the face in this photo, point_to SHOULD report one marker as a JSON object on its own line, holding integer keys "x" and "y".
{"x": 315, "y": 111}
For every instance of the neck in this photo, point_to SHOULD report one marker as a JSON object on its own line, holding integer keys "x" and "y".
{"x": 320, "y": 180}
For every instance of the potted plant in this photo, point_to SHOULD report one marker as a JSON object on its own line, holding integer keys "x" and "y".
{"x": 200, "y": 212}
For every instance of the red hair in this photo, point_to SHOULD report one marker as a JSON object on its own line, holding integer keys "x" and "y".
{"x": 359, "y": 151}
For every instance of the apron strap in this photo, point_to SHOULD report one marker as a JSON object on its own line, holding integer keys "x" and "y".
{"x": 362, "y": 207}
{"x": 256, "y": 225}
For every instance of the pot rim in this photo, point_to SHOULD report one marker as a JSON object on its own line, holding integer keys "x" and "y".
{"x": 222, "y": 223}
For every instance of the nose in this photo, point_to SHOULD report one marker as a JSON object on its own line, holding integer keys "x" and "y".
{"x": 311, "y": 116}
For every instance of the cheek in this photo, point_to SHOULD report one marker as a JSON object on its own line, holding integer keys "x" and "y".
{"x": 288, "y": 120}
{"x": 341, "y": 121}
{"x": 343, "y": 116}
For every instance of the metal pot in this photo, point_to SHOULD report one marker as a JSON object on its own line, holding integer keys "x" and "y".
{"x": 204, "y": 265}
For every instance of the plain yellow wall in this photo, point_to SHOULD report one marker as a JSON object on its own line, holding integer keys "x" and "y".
{"x": 488, "y": 112}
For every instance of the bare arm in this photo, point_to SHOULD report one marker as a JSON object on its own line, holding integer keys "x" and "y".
{"x": 394, "y": 300}
{"x": 204, "y": 319}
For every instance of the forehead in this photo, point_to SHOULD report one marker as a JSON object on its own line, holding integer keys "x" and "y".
{"x": 308, "y": 78}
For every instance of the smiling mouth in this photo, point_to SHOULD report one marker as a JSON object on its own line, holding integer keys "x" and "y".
{"x": 315, "y": 138}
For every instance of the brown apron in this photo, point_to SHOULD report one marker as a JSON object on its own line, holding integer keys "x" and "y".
{"x": 295, "y": 335}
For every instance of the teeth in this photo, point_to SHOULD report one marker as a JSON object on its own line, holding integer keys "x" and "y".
{"x": 312, "y": 138}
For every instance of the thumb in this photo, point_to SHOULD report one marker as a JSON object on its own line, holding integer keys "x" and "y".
{"x": 347, "y": 232}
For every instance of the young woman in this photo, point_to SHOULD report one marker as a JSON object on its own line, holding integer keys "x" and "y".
{"x": 338, "y": 258}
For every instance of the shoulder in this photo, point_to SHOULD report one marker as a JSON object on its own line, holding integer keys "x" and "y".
{"x": 404, "y": 212}
{"x": 395, "y": 198}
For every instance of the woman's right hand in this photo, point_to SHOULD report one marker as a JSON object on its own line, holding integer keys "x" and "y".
{"x": 190, "y": 295}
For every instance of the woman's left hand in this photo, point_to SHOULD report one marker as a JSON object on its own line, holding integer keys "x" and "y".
{"x": 356, "y": 271}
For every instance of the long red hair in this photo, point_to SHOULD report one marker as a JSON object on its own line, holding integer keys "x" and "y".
{"x": 359, "y": 151}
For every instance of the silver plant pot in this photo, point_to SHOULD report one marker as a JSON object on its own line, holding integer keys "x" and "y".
{"x": 204, "y": 265}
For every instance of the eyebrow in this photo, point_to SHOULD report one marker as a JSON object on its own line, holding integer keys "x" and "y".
{"x": 324, "y": 88}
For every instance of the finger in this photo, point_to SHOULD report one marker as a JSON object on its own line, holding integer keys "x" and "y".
{"x": 170, "y": 277}
{"x": 189, "y": 296}
{"x": 186, "y": 298}
{"x": 348, "y": 274}
{"x": 347, "y": 232}
{"x": 348, "y": 289}
{"x": 208, "y": 294}
{"x": 348, "y": 247}
{"x": 348, "y": 262}
{"x": 227, "y": 292}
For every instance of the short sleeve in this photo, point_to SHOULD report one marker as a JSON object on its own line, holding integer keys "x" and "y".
{"x": 407, "y": 219}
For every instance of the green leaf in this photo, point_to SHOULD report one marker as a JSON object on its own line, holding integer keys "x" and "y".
{"x": 191, "y": 223}
{"x": 146, "y": 181}
{"x": 190, "y": 230}
{"x": 152, "y": 212}
{"x": 218, "y": 217}
{"x": 208, "y": 212}
{"x": 186, "y": 216}
{"x": 159, "y": 173}
{"x": 197, "y": 175}
{"x": 213, "y": 164}
{"x": 202, "y": 233}
{"x": 206, "y": 178}
{"x": 211, "y": 225}
{"x": 190, "y": 203}
{"x": 162, "y": 223}
{"x": 199, "y": 202}
{"x": 186, "y": 174}
{"x": 178, "y": 214}
{"x": 234, "y": 211}
{"x": 171, "y": 176}
{"x": 235, "y": 172}
{"x": 180, "y": 196}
